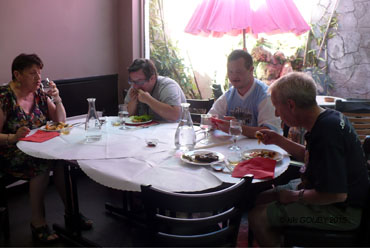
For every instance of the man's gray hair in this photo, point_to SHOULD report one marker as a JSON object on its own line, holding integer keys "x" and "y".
{"x": 296, "y": 86}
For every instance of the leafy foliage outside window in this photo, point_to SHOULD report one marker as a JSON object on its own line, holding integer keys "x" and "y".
{"x": 164, "y": 52}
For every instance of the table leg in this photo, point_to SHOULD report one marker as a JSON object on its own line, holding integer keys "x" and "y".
{"x": 72, "y": 230}
{"x": 129, "y": 210}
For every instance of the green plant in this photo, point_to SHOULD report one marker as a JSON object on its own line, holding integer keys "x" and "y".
{"x": 164, "y": 52}
{"x": 314, "y": 62}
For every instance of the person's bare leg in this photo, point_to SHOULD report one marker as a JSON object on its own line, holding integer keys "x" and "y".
{"x": 38, "y": 186}
{"x": 59, "y": 181}
{"x": 58, "y": 177}
{"x": 37, "y": 190}
{"x": 265, "y": 235}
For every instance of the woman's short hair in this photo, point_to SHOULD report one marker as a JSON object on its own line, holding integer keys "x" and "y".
{"x": 23, "y": 61}
{"x": 146, "y": 65}
{"x": 296, "y": 86}
{"x": 239, "y": 53}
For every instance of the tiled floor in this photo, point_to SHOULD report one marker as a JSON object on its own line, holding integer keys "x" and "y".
{"x": 108, "y": 231}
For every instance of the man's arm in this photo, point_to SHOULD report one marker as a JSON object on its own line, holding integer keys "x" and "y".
{"x": 132, "y": 101}
{"x": 219, "y": 107}
{"x": 250, "y": 132}
{"x": 266, "y": 115}
{"x": 296, "y": 150}
{"x": 166, "y": 111}
{"x": 310, "y": 196}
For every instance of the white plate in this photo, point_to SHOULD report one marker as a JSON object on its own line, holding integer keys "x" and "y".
{"x": 130, "y": 122}
{"x": 192, "y": 154}
{"x": 248, "y": 154}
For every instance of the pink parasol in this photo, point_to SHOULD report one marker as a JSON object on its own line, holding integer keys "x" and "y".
{"x": 233, "y": 17}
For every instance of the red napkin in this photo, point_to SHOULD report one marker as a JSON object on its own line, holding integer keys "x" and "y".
{"x": 143, "y": 124}
{"x": 40, "y": 136}
{"x": 261, "y": 168}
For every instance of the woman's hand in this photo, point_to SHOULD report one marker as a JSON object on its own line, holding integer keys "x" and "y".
{"x": 54, "y": 92}
{"x": 56, "y": 109}
{"x": 21, "y": 133}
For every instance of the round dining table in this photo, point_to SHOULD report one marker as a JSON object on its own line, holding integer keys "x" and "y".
{"x": 328, "y": 101}
{"x": 122, "y": 159}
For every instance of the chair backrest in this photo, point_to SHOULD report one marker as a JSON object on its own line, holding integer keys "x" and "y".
{"x": 5, "y": 180}
{"x": 358, "y": 112}
{"x": 195, "y": 219}
{"x": 198, "y": 107}
{"x": 366, "y": 148}
{"x": 365, "y": 223}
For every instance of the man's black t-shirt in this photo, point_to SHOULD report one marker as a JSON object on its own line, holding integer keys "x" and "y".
{"x": 336, "y": 162}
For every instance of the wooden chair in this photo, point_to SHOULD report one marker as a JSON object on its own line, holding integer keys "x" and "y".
{"x": 5, "y": 180}
{"x": 195, "y": 219}
{"x": 358, "y": 112}
{"x": 198, "y": 107}
{"x": 366, "y": 148}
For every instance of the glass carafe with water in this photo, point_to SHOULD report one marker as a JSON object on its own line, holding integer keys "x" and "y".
{"x": 92, "y": 125}
{"x": 185, "y": 138}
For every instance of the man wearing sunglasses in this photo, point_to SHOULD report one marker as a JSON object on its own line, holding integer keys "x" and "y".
{"x": 158, "y": 96}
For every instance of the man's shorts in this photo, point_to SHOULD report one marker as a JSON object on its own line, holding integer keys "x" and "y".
{"x": 326, "y": 217}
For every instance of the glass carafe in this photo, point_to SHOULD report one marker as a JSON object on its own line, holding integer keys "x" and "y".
{"x": 185, "y": 138}
{"x": 92, "y": 125}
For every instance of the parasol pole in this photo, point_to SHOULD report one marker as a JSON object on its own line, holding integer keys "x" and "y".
{"x": 195, "y": 78}
{"x": 244, "y": 42}
{"x": 327, "y": 28}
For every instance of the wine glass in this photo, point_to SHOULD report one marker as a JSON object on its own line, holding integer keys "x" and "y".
{"x": 122, "y": 115}
{"x": 214, "y": 116}
{"x": 235, "y": 130}
{"x": 46, "y": 87}
{"x": 205, "y": 125}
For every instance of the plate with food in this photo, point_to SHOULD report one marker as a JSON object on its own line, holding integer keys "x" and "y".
{"x": 202, "y": 157}
{"x": 262, "y": 153}
{"x": 139, "y": 119}
{"x": 54, "y": 126}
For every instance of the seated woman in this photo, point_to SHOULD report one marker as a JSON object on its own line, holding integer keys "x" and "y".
{"x": 25, "y": 106}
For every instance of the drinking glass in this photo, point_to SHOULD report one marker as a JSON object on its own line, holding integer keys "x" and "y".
{"x": 46, "y": 87}
{"x": 235, "y": 130}
{"x": 214, "y": 116}
{"x": 205, "y": 125}
{"x": 122, "y": 115}
{"x": 233, "y": 157}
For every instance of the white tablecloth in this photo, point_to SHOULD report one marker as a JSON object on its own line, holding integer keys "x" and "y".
{"x": 115, "y": 143}
{"x": 321, "y": 101}
{"x": 121, "y": 160}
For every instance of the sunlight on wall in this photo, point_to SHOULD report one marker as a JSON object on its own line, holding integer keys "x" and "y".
{"x": 207, "y": 55}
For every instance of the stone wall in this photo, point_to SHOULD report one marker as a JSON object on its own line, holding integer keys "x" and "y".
{"x": 348, "y": 52}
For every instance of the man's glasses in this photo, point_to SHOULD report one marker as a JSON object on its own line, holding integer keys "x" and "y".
{"x": 139, "y": 83}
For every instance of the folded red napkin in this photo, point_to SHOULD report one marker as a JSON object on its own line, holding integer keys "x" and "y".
{"x": 40, "y": 136}
{"x": 261, "y": 168}
{"x": 143, "y": 124}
